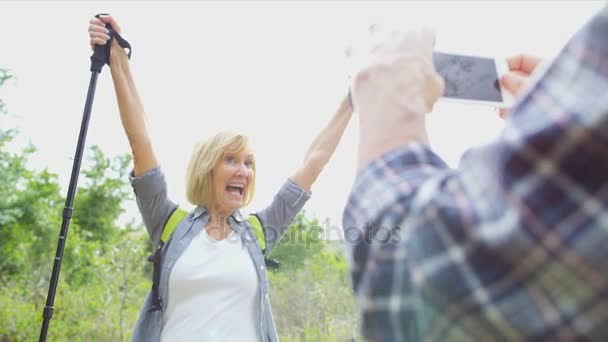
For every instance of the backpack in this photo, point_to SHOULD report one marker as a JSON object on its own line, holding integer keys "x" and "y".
{"x": 173, "y": 221}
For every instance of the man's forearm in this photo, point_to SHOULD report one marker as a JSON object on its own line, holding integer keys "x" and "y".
{"x": 373, "y": 145}
{"x": 391, "y": 107}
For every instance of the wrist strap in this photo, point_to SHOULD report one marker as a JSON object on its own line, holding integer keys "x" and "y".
{"x": 101, "y": 53}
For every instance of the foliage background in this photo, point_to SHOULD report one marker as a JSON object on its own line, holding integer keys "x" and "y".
{"x": 104, "y": 275}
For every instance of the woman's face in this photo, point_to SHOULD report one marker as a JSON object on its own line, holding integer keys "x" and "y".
{"x": 231, "y": 178}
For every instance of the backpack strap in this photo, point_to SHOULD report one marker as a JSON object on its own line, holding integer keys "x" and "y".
{"x": 258, "y": 230}
{"x": 179, "y": 214}
{"x": 173, "y": 221}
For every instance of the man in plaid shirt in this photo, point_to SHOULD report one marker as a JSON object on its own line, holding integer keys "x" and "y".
{"x": 513, "y": 244}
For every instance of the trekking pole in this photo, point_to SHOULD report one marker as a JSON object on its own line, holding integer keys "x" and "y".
{"x": 101, "y": 56}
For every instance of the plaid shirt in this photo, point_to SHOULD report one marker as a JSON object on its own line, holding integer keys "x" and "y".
{"x": 513, "y": 244}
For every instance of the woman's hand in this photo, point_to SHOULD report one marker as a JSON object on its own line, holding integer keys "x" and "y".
{"x": 99, "y": 34}
{"x": 131, "y": 109}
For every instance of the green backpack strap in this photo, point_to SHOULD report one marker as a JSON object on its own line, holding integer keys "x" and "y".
{"x": 174, "y": 219}
{"x": 256, "y": 224}
{"x": 179, "y": 214}
{"x": 258, "y": 231}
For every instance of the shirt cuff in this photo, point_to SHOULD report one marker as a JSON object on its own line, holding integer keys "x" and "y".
{"x": 392, "y": 178}
{"x": 149, "y": 184}
{"x": 412, "y": 162}
{"x": 293, "y": 194}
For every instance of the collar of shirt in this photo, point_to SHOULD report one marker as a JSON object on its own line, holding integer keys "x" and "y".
{"x": 237, "y": 215}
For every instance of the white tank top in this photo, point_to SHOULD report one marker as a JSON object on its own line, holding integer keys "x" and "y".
{"x": 213, "y": 293}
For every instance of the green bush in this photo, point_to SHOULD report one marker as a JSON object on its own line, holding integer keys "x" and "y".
{"x": 315, "y": 302}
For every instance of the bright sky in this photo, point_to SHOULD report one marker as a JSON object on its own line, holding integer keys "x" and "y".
{"x": 273, "y": 70}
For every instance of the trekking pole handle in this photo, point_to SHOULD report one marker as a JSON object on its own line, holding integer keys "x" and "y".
{"x": 101, "y": 53}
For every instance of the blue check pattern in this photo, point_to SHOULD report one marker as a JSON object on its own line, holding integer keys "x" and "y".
{"x": 510, "y": 246}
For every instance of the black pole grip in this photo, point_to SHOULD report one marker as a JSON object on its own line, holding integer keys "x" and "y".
{"x": 101, "y": 53}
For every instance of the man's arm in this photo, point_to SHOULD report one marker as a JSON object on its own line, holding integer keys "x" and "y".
{"x": 393, "y": 91}
{"x": 508, "y": 246}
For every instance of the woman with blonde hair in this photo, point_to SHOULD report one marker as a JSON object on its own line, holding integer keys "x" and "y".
{"x": 211, "y": 283}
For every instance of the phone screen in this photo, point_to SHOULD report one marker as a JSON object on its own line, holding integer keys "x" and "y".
{"x": 468, "y": 77}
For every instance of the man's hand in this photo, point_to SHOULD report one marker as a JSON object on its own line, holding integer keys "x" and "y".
{"x": 393, "y": 86}
{"x": 518, "y": 78}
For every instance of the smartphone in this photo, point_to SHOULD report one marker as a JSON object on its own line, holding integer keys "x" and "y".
{"x": 472, "y": 79}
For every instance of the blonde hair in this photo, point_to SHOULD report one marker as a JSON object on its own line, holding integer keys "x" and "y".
{"x": 205, "y": 156}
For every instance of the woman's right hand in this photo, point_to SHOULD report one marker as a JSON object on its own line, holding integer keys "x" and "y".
{"x": 520, "y": 68}
{"x": 98, "y": 33}
{"x": 131, "y": 109}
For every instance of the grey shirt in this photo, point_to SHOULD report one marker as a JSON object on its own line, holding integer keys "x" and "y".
{"x": 155, "y": 207}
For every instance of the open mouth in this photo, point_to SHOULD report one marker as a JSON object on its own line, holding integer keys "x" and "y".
{"x": 236, "y": 189}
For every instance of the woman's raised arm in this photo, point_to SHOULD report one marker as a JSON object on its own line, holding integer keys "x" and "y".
{"x": 323, "y": 146}
{"x": 131, "y": 109}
